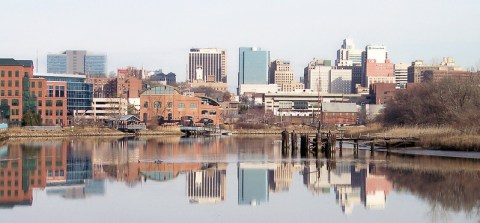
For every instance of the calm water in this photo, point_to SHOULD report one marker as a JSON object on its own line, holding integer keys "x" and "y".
{"x": 234, "y": 179}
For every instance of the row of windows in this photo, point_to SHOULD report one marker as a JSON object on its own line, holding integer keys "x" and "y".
{"x": 40, "y": 84}
{"x": 158, "y": 105}
{"x": 17, "y": 73}
{"x": 50, "y": 112}
{"x": 9, "y": 83}
{"x": 49, "y": 103}
{"x": 9, "y": 193}
{"x": 14, "y": 112}
{"x": 9, "y": 93}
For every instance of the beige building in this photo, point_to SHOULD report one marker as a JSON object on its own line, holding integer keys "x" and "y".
{"x": 219, "y": 86}
{"x": 207, "y": 64}
{"x": 281, "y": 74}
{"x": 105, "y": 108}
{"x": 418, "y": 66}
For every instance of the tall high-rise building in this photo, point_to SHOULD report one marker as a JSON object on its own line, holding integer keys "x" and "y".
{"x": 77, "y": 62}
{"x": 281, "y": 74}
{"x": 347, "y": 55}
{"x": 401, "y": 74}
{"x": 376, "y": 66}
{"x": 253, "y": 66}
{"x": 207, "y": 64}
{"x": 350, "y": 58}
{"x": 316, "y": 75}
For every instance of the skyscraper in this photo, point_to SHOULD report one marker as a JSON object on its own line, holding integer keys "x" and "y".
{"x": 253, "y": 66}
{"x": 376, "y": 66}
{"x": 316, "y": 75}
{"x": 207, "y": 64}
{"x": 347, "y": 55}
{"x": 77, "y": 62}
{"x": 350, "y": 58}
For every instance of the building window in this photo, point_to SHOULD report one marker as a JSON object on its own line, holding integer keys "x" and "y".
{"x": 9, "y": 92}
{"x": 145, "y": 105}
{"x": 9, "y": 83}
{"x": 193, "y": 105}
{"x": 17, "y": 93}
{"x": 204, "y": 112}
{"x": 33, "y": 84}
{"x": 48, "y": 103}
{"x": 58, "y": 103}
{"x": 3, "y": 73}
{"x": 60, "y": 91}
{"x": 40, "y": 84}
{"x": 17, "y": 83}
{"x": 213, "y": 112}
{"x": 14, "y": 102}
{"x": 50, "y": 91}
{"x": 157, "y": 104}
{"x": 2, "y": 83}
{"x": 169, "y": 104}
{"x": 181, "y": 105}
{"x": 17, "y": 74}
{"x": 39, "y": 92}
{"x": 2, "y": 93}
{"x": 9, "y": 73}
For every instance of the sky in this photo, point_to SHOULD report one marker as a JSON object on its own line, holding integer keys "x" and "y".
{"x": 158, "y": 34}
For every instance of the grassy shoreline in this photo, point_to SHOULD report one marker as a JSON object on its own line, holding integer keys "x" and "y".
{"x": 441, "y": 138}
{"x": 431, "y": 137}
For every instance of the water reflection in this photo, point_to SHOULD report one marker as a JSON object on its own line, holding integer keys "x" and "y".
{"x": 81, "y": 169}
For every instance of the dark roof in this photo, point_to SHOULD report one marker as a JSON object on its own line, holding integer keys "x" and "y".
{"x": 25, "y": 63}
{"x": 125, "y": 118}
{"x": 13, "y": 62}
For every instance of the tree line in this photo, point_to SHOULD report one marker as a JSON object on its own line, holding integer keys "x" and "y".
{"x": 453, "y": 102}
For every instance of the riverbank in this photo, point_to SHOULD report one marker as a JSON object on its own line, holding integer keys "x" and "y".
{"x": 439, "y": 138}
{"x": 12, "y": 133}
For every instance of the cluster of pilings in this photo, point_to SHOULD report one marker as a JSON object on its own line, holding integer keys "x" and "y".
{"x": 322, "y": 143}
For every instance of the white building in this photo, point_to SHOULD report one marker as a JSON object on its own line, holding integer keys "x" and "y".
{"x": 401, "y": 74}
{"x": 259, "y": 88}
{"x": 319, "y": 78}
{"x": 376, "y": 52}
{"x": 340, "y": 81}
{"x": 105, "y": 108}
{"x": 347, "y": 55}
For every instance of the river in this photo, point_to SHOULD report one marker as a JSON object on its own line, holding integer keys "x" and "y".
{"x": 227, "y": 179}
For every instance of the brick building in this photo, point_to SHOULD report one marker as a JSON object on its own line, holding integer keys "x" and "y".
{"x": 164, "y": 103}
{"x": 382, "y": 92}
{"x": 21, "y": 93}
{"x": 437, "y": 75}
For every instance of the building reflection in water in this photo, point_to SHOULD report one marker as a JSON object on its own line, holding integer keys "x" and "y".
{"x": 353, "y": 183}
{"x": 257, "y": 180}
{"x": 208, "y": 185}
{"x": 76, "y": 169}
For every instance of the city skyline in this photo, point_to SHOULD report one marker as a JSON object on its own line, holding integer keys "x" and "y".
{"x": 424, "y": 37}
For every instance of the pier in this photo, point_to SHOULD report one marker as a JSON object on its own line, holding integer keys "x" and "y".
{"x": 203, "y": 131}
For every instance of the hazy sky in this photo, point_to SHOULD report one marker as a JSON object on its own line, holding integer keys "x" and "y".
{"x": 159, "y": 34}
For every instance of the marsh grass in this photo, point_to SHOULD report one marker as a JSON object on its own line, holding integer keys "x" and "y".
{"x": 433, "y": 137}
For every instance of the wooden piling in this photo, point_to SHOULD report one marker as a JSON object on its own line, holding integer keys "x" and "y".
{"x": 294, "y": 141}
{"x": 304, "y": 145}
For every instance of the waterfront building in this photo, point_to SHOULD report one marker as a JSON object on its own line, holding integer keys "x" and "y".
{"x": 79, "y": 93}
{"x": 22, "y": 94}
{"x": 207, "y": 64}
{"x": 165, "y": 104}
{"x": 253, "y": 66}
{"x": 103, "y": 87}
{"x": 105, "y": 108}
{"x": 77, "y": 62}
